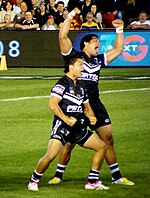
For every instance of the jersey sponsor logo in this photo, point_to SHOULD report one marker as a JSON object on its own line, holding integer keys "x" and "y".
{"x": 91, "y": 77}
{"x": 59, "y": 89}
{"x": 74, "y": 108}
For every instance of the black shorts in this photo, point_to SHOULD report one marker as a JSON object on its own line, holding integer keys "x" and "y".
{"x": 78, "y": 134}
{"x": 100, "y": 113}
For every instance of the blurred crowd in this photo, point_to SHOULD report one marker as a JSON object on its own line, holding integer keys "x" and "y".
{"x": 95, "y": 14}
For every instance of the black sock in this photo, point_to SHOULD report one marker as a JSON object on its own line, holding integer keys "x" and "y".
{"x": 60, "y": 170}
{"x": 36, "y": 176}
{"x": 93, "y": 176}
{"x": 114, "y": 169}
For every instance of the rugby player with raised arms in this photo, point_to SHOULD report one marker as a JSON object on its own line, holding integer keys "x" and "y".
{"x": 90, "y": 45}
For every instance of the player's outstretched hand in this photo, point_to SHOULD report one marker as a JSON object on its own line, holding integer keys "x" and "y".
{"x": 118, "y": 23}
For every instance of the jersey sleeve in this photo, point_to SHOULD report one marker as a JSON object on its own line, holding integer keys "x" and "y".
{"x": 71, "y": 53}
{"x": 103, "y": 59}
{"x": 58, "y": 91}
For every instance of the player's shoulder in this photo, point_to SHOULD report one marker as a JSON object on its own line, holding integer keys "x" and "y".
{"x": 62, "y": 80}
{"x": 73, "y": 52}
{"x": 100, "y": 56}
{"x": 59, "y": 86}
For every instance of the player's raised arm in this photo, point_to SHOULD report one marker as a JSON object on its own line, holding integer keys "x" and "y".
{"x": 64, "y": 41}
{"x": 119, "y": 42}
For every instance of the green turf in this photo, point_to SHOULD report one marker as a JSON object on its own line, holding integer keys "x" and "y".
{"x": 25, "y": 126}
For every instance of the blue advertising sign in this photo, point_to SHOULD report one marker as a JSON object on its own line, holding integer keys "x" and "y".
{"x": 136, "y": 47}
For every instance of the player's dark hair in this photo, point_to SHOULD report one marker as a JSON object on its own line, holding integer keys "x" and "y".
{"x": 71, "y": 61}
{"x": 86, "y": 38}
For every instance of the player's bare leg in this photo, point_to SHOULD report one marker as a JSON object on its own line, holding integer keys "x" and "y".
{"x": 54, "y": 148}
{"x": 105, "y": 133}
{"x": 64, "y": 158}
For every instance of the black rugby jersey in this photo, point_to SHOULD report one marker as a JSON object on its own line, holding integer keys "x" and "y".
{"x": 91, "y": 73}
{"x": 72, "y": 97}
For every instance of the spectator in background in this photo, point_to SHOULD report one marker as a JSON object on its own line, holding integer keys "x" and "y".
{"x": 65, "y": 2}
{"x": 74, "y": 23}
{"x": 142, "y": 23}
{"x": 35, "y": 6}
{"x": 29, "y": 23}
{"x": 7, "y": 24}
{"x": 51, "y": 7}
{"x": 29, "y": 4}
{"x": 89, "y": 25}
{"x": 130, "y": 12}
{"x": 59, "y": 14}
{"x": 97, "y": 16}
{"x": 16, "y": 7}
{"x": 73, "y": 4}
{"x": 50, "y": 25}
{"x": 108, "y": 10}
{"x": 2, "y": 3}
{"x": 120, "y": 6}
{"x": 41, "y": 15}
{"x": 85, "y": 8}
{"x": 21, "y": 15}
{"x": 8, "y": 9}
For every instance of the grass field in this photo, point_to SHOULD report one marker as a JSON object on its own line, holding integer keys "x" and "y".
{"x": 25, "y": 125}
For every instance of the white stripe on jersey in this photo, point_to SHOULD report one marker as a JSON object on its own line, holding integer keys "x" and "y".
{"x": 105, "y": 59}
{"x": 57, "y": 124}
{"x": 58, "y": 89}
{"x": 86, "y": 101}
{"x": 73, "y": 98}
{"x": 67, "y": 53}
{"x": 91, "y": 68}
{"x": 56, "y": 95}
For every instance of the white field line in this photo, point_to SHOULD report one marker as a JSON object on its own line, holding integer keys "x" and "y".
{"x": 23, "y": 98}
{"x": 102, "y": 92}
{"x": 126, "y": 90}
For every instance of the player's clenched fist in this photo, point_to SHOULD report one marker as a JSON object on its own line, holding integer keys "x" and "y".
{"x": 118, "y": 23}
{"x": 73, "y": 13}
{"x": 71, "y": 121}
{"x": 93, "y": 120}
{"x": 77, "y": 11}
